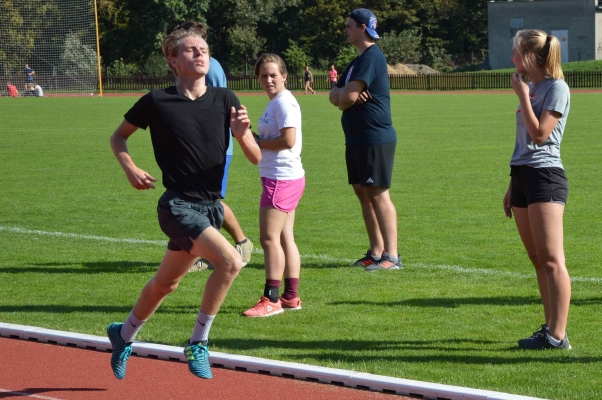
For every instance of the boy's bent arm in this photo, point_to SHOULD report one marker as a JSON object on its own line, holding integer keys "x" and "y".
{"x": 239, "y": 125}
{"x": 137, "y": 177}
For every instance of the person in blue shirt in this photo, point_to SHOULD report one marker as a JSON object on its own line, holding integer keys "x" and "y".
{"x": 362, "y": 93}
{"x": 216, "y": 77}
{"x": 29, "y": 73}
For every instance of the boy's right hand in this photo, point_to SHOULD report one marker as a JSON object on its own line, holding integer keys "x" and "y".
{"x": 140, "y": 179}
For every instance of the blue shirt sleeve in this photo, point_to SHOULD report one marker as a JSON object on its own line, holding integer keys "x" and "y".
{"x": 216, "y": 77}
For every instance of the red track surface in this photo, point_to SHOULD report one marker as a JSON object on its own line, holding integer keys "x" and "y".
{"x": 52, "y": 372}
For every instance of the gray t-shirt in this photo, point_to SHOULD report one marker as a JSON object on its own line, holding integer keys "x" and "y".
{"x": 549, "y": 94}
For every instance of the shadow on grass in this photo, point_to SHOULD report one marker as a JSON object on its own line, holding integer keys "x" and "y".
{"x": 360, "y": 351}
{"x": 326, "y": 264}
{"x": 191, "y": 310}
{"x": 85, "y": 267}
{"x": 125, "y": 267}
{"x": 451, "y": 302}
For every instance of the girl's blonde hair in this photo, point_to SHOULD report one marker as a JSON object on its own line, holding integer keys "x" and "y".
{"x": 172, "y": 41}
{"x": 539, "y": 50}
{"x": 269, "y": 58}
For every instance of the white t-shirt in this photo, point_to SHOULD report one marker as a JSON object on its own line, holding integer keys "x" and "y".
{"x": 39, "y": 91}
{"x": 282, "y": 111}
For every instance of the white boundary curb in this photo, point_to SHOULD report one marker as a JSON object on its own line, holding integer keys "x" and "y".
{"x": 340, "y": 377}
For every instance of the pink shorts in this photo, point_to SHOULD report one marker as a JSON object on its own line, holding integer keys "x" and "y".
{"x": 282, "y": 195}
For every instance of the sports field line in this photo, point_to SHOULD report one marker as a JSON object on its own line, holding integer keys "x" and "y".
{"x": 312, "y": 373}
{"x": 452, "y": 268}
{"x": 23, "y": 394}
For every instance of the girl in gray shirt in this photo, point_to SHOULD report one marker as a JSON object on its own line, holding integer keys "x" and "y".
{"x": 538, "y": 188}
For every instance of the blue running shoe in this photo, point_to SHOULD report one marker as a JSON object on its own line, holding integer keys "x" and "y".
{"x": 121, "y": 350}
{"x": 197, "y": 355}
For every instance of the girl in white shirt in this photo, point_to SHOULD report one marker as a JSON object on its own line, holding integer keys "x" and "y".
{"x": 283, "y": 181}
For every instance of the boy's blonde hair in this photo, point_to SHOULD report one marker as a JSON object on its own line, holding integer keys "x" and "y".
{"x": 172, "y": 42}
{"x": 539, "y": 50}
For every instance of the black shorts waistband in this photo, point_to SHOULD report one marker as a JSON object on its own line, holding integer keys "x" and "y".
{"x": 173, "y": 193}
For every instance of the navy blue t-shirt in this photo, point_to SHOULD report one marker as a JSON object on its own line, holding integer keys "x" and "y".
{"x": 190, "y": 137}
{"x": 370, "y": 123}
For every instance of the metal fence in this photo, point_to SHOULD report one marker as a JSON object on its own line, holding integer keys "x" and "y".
{"x": 457, "y": 81}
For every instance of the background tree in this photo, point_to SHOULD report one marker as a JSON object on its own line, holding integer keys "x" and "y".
{"x": 296, "y": 58}
{"x": 401, "y": 48}
{"x": 245, "y": 45}
{"x": 450, "y": 31}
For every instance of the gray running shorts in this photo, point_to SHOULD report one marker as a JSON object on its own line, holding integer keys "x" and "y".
{"x": 183, "y": 220}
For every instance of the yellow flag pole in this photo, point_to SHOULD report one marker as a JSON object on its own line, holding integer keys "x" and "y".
{"x": 98, "y": 49}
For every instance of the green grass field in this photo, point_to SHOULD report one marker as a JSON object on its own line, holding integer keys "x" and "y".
{"x": 77, "y": 243}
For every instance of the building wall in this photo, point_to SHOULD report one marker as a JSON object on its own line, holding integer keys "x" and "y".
{"x": 579, "y": 17}
{"x": 598, "y": 36}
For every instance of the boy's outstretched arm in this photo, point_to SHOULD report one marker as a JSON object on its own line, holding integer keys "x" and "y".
{"x": 239, "y": 124}
{"x": 137, "y": 177}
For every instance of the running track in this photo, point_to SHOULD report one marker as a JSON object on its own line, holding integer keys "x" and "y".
{"x": 55, "y": 365}
{"x": 52, "y": 372}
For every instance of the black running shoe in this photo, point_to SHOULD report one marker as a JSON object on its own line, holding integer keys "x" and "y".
{"x": 541, "y": 331}
{"x": 541, "y": 342}
{"x": 366, "y": 260}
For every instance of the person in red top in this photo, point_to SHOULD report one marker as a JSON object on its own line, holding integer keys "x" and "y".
{"x": 11, "y": 90}
{"x": 334, "y": 76}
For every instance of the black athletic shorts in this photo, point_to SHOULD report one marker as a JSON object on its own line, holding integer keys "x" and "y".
{"x": 538, "y": 185}
{"x": 182, "y": 219}
{"x": 370, "y": 165}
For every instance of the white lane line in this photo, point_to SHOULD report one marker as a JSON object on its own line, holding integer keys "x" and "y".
{"x": 454, "y": 268}
{"x": 78, "y": 236}
{"x": 25, "y": 394}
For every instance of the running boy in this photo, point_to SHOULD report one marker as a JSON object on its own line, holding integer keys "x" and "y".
{"x": 189, "y": 126}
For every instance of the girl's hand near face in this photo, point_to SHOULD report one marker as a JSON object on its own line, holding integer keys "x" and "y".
{"x": 521, "y": 88}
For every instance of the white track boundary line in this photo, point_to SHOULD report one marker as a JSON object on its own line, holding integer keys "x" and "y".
{"x": 25, "y": 394}
{"x": 453, "y": 268}
{"x": 340, "y": 377}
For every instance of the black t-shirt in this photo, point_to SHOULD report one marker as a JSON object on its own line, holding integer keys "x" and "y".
{"x": 370, "y": 123}
{"x": 189, "y": 137}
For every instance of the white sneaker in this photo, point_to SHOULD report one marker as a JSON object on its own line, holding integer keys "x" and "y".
{"x": 245, "y": 251}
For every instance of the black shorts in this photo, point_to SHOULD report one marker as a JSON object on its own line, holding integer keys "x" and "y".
{"x": 538, "y": 185}
{"x": 182, "y": 219}
{"x": 370, "y": 165}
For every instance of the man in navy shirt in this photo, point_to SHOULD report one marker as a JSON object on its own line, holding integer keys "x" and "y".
{"x": 28, "y": 77}
{"x": 362, "y": 93}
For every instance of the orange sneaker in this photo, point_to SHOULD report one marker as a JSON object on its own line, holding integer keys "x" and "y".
{"x": 292, "y": 304}
{"x": 264, "y": 308}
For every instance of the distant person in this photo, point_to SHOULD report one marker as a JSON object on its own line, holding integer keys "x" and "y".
{"x": 217, "y": 77}
{"x": 309, "y": 78}
{"x": 283, "y": 181}
{"x": 38, "y": 91}
{"x": 362, "y": 93}
{"x": 190, "y": 127}
{"x": 11, "y": 90}
{"x": 538, "y": 189}
{"x": 29, "y": 73}
{"x": 333, "y": 75}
